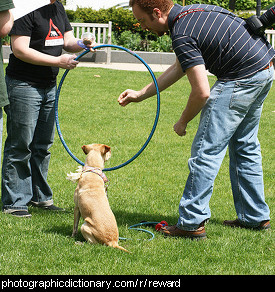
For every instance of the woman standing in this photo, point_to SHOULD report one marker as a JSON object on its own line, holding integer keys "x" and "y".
{"x": 37, "y": 40}
{"x": 6, "y": 23}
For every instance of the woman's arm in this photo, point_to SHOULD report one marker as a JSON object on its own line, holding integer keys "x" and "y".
{"x": 70, "y": 43}
{"x": 21, "y": 49}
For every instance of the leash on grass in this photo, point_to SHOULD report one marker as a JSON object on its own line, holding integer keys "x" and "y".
{"x": 157, "y": 112}
{"x": 157, "y": 225}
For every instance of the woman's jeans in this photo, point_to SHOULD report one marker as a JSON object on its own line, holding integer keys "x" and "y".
{"x": 30, "y": 129}
{"x": 231, "y": 119}
{"x": 1, "y": 131}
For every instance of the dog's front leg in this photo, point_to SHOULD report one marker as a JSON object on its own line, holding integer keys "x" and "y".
{"x": 76, "y": 220}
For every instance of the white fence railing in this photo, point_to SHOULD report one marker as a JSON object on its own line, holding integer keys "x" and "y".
{"x": 270, "y": 35}
{"x": 102, "y": 32}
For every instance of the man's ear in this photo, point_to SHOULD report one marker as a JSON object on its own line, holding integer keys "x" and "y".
{"x": 156, "y": 13}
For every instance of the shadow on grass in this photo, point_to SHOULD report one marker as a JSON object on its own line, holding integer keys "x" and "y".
{"x": 126, "y": 218}
{"x": 123, "y": 218}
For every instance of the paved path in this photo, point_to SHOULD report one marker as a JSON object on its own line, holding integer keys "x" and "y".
{"x": 125, "y": 66}
{"x": 129, "y": 66}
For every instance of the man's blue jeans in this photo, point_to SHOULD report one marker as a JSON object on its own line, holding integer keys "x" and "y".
{"x": 30, "y": 129}
{"x": 231, "y": 119}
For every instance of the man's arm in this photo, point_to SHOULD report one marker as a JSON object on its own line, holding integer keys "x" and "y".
{"x": 169, "y": 77}
{"x": 200, "y": 92}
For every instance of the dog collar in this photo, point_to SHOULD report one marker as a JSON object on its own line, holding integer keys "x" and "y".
{"x": 96, "y": 170}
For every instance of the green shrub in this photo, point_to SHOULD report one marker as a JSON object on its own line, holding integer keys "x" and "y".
{"x": 122, "y": 19}
{"x": 133, "y": 41}
{"x": 161, "y": 44}
{"x": 129, "y": 40}
{"x": 5, "y": 40}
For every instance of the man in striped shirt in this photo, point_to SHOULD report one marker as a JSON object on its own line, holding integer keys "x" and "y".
{"x": 207, "y": 37}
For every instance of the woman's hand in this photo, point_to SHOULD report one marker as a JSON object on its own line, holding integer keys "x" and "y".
{"x": 67, "y": 61}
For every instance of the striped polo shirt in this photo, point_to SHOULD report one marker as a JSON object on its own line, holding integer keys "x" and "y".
{"x": 211, "y": 35}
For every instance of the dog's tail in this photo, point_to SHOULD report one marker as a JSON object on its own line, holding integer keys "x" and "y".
{"x": 74, "y": 177}
{"x": 122, "y": 248}
{"x": 116, "y": 245}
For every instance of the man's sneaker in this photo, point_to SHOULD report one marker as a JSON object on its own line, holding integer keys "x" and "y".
{"x": 52, "y": 208}
{"x": 176, "y": 232}
{"x": 18, "y": 213}
{"x": 42, "y": 205}
{"x": 264, "y": 225}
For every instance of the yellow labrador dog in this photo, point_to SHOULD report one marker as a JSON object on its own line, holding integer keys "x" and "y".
{"x": 91, "y": 200}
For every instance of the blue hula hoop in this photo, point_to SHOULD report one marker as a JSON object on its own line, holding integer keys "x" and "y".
{"x": 156, "y": 118}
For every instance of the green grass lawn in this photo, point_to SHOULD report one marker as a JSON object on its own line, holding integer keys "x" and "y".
{"x": 148, "y": 189}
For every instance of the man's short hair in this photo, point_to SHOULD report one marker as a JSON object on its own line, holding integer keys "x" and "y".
{"x": 149, "y": 5}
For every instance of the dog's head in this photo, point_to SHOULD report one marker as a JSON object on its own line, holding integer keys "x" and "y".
{"x": 103, "y": 149}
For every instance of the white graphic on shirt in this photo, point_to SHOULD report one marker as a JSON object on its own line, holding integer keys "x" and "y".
{"x": 54, "y": 37}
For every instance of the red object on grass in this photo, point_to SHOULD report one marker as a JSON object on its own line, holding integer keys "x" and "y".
{"x": 161, "y": 224}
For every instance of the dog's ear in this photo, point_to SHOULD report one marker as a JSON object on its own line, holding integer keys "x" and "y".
{"x": 85, "y": 149}
{"x": 106, "y": 151}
